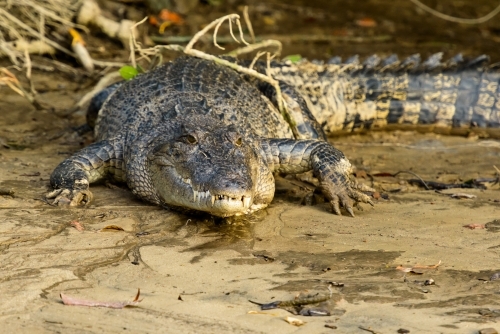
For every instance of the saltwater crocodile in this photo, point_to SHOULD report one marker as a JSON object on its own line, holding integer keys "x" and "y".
{"x": 194, "y": 135}
{"x": 456, "y": 97}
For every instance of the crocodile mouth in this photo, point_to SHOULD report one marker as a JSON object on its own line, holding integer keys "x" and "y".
{"x": 203, "y": 196}
{"x": 221, "y": 202}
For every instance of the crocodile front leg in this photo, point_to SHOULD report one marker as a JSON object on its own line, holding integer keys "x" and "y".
{"x": 71, "y": 179}
{"x": 328, "y": 164}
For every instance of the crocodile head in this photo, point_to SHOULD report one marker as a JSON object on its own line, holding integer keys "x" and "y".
{"x": 207, "y": 167}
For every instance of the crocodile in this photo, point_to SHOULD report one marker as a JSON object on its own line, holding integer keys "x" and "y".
{"x": 458, "y": 96}
{"x": 193, "y": 135}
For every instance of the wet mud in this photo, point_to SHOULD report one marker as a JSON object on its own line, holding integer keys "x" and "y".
{"x": 196, "y": 274}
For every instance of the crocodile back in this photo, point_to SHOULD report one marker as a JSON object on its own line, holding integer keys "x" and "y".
{"x": 189, "y": 86}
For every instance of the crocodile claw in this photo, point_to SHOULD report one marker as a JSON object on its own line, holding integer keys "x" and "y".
{"x": 345, "y": 196}
{"x": 70, "y": 197}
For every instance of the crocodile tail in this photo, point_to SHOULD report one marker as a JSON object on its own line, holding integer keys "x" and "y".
{"x": 379, "y": 93}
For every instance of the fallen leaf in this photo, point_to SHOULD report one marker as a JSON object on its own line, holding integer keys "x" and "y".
{"x": 268, "y": 20}
{"x": 433, "y": 266}
{"x": 417, "y": 266}
{"x": 475, "y": 226}
{"x": 153, "y": 21}
{"x": 406, "y": 269}
{"x": 463, "y": 195}
{"x": 294, "y": 321}
{"x": 67, "y": 300}
{"x": 366, "y": 22}
{"x": 77, "y": 225}
{"x": 112, "y": 228}
{"x": 166, "y": 15}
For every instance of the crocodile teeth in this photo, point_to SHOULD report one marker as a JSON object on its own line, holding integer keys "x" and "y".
{"x": 213, "y": 200}
{"x": 246, "y": 201}
{"x": 195, "y": 195}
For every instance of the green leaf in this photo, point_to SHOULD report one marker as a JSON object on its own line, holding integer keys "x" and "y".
{"x": 128, "y": 72}
{"x": 293, "y": 58}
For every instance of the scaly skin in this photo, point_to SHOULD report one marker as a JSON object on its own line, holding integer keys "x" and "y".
{"x": 193, "y": 135}
{"x": 455, "y": 97}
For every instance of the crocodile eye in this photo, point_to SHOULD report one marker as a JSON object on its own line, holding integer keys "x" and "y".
{"x": 238, "y": 141}
{"x": 191, "y": 139}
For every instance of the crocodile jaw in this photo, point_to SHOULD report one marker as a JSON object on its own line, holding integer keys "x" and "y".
{"x": 173, "y": 190}
{"x": 223, "y": 205}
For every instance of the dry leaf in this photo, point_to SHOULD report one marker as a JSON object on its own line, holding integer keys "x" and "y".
{"x": 67, "y": 300}
{"x": 166, "y": 15}
{"x": 366, "y": 22}
{"x": 475, "y": 226}
{"x": 77, "y": 225}
{"x": 112, "y": 228}
{"x": 463, "y": 195}
{"x": 153, "y": 20}
{"x": 433, "y": 266}
{"x": 294, "y": 321}
{"x": 417, "y": 266}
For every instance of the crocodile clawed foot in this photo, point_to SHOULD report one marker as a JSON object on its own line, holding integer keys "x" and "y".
{"x": 344, "y": 196}
{"x": 70, "y": 197}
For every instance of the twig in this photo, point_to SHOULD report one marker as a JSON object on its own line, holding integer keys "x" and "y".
{"x": 256, "y": 46}
{"x": 10, "y": 80}
{"x": 266, "y": 78}
{"x": 248, "y": 23}
{"x": 254, "y": 60}
{"x": 43, "y": 11}
{"x": 215, "y": 24}
{"x": 35, "y": 33}
{"x": 418, "y": 177}
{"x": 28, "y": 72}
{"x": 133, "y": 42}
{"x": 434, "y": 12}
{"x": 107, "y": 63}
{"x": 369, "y": 330}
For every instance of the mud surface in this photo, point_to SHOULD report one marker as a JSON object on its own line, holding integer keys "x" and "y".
{"x": 197, "y": 275}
